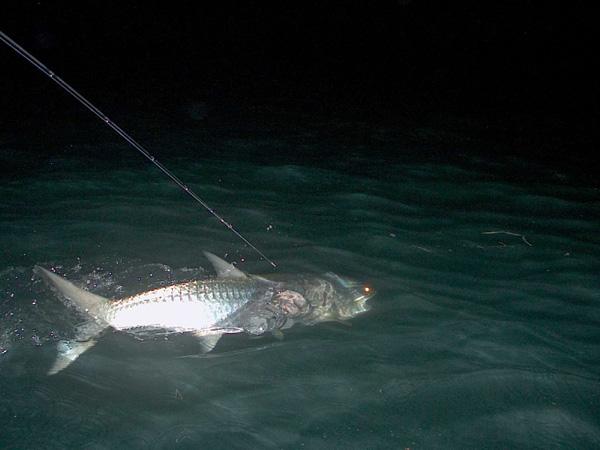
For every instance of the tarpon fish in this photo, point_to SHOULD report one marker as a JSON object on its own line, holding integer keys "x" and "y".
{"x": 233, "y": 302}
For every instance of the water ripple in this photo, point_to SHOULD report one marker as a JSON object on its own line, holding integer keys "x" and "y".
{"x": 484, "y": 331}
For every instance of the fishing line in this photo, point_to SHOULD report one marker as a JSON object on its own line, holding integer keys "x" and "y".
{"x": 117, "y": 129}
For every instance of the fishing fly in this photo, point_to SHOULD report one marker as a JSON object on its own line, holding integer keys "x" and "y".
{"x": 117, "y": 129}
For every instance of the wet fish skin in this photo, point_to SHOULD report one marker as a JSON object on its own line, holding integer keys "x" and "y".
{"x": 191, "y": 306}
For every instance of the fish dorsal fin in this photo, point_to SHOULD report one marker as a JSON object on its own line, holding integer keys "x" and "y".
{"x": 223, "y": 268}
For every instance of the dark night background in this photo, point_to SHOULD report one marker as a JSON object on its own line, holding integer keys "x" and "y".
{"x": 442, "y": 152}
{"x": 510, "y": 77}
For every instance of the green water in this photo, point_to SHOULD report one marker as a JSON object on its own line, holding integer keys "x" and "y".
{"x": 484, "y": 332}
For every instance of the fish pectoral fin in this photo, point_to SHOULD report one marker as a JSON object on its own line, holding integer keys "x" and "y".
{"x": 223, "y": 268}
{"x": 209, "y": 337}
{"x": 208, "y": 342}
{"x": 278, "y": 334}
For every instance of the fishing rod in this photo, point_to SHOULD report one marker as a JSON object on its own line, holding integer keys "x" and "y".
{"x": 117, "y": 129}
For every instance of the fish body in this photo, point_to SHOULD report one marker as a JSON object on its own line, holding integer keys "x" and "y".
{"x": 233, "y": 302}
{"x": 191, "y": 306}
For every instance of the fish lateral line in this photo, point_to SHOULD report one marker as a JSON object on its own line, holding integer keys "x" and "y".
{"x": 130, "y": 140}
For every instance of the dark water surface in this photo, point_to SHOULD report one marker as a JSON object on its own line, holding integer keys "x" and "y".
{"x": 484, "y": 332}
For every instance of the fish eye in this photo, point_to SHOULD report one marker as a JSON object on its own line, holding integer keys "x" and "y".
{"x": 367, "y": 289}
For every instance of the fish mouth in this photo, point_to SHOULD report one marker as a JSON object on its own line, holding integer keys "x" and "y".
{"x": 366, "y": 293}
{"x": 361, "y": 302}
{"x": 356, "y": 294}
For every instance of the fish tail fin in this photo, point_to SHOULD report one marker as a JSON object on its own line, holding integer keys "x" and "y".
{"x": 69, "y": 351}
{"x": 93, "y": 306}
{"x": 85, "y": 302}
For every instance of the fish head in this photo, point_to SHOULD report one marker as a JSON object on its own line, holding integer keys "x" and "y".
{"x": 349, "y": 296}
{"x": 335, "y": 298}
